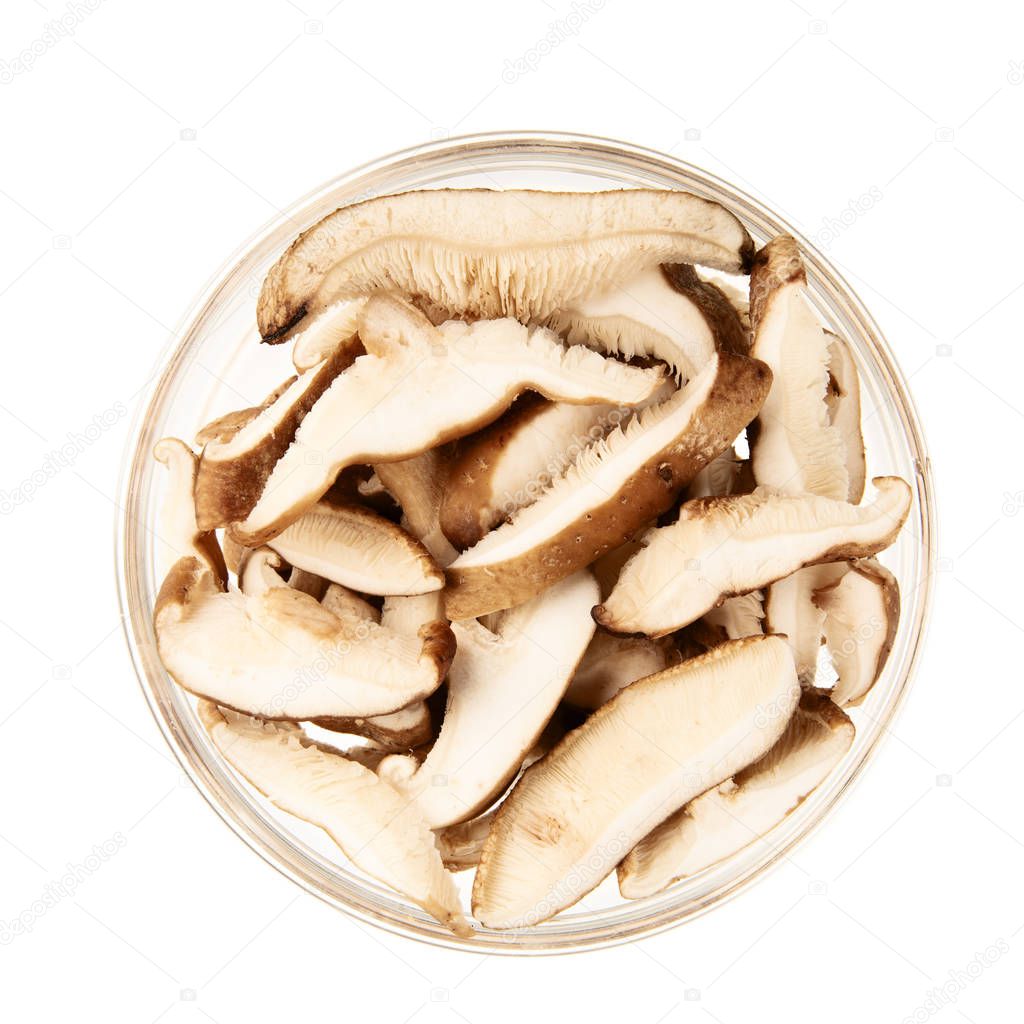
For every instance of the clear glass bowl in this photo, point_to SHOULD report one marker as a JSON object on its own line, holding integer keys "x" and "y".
{"x": 219, "y": 365}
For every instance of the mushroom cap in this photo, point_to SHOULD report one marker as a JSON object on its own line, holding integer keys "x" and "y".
{"x": 494, "y": 253}
{"x": 726, "y": 546}
{"x": 612, "y": 489}
{"x": 653, "y": 747}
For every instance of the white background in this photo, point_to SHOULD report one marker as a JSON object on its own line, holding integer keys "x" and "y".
{"x": 111, "y": 219}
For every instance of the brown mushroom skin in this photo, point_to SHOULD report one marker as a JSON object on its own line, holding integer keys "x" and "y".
{"x": 774, "y": 266}
{"x": 734, "y": 399}
{"x": 467, "y": 512}
{"x": 227, "y": 490}
{"x": 714, "y": 305}
{"x": 390, "y": 740}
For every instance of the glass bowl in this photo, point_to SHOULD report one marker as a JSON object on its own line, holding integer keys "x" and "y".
{"x": 218, "y": 365}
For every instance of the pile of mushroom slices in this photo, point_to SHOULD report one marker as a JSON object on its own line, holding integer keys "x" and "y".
{"x": 508, "y": 470}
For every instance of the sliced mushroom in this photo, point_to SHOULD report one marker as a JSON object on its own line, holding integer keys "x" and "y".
{"x": 667, "y": 314}
{"x": 420, "y": 386}
{"x": 418, "y": 485}
{"x": 223, "y": 428}
{"x": 843, "y": 402}
{"x": 235, "y": 466}
{"x": 651, "y": 749}
{"x": 376, "y": 828}
{"x": 178, "y": 527}
{"x": 747, "y": 807}
{"x": 722, "y": 547}
{"x": 351, "y": 545}
{"x": 861, "y": 612}
{"x": 612, "y": 489}
{"x": 789, "y": 610}
{"x": 277, "y": 653}
{"x": 401, "y": 730}
{"x": 333, "y": 328}
{"x": 502, "y": 689}
{"x": 609, "y": 664}
{"x": 509, "y": 464}
{"x": 439, "y": 245}
{"x": 796, "y": 449}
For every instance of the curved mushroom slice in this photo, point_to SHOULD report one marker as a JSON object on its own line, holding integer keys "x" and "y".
{"x": 789, "y": 610}
{"x": 606, "y": 569}
{"x": 613, "y": 488}
{"x": 609, "y": 664}
{"x": 401, "y": 730}
{"x": 223, "y": 428}
{"x": 234, "y": 467}
{"x": 378, "y": 830}
{"x": 351, "y": 545}
{"x": 862, "y": 612}
{"x": 278, "y": 653}
{"x": 418, "y": 485}
{"x": 344, "y": 602}
{"x": 842, "y": 398}
{"x": 721, "y": 304}
{"x": 723, "y": 547}
{"x": 796, "y": 449}
{"x": 439, "y": 245}
{"x": 502, "y": 689}
{"x": 333, "y": 328}
{"x": 747, "y": 807}
{"x": 509, "y": 464}
{"x": 420, "y": 386}
{"x": 178, "y": 527}
{"x": 652, "y": 748}
{"x": 667, "y": 314}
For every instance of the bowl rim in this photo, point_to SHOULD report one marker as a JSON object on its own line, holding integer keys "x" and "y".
{"x": 821, "y": 271}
